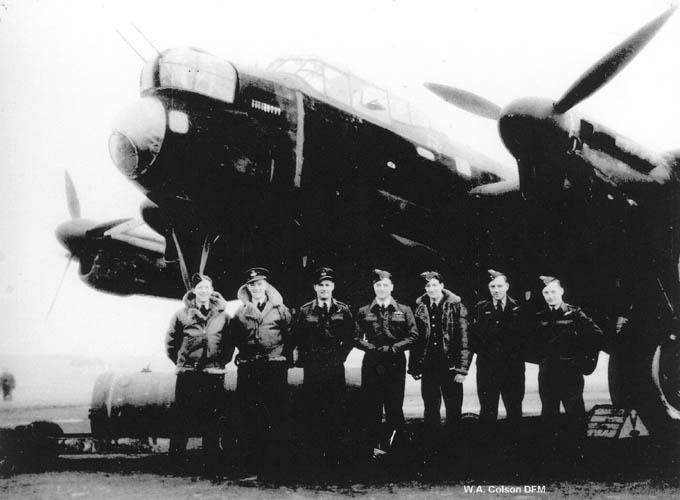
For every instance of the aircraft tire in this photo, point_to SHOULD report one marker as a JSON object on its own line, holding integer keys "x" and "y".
{"x": 645, "y": 375}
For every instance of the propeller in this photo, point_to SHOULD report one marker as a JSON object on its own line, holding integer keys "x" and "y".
{"x": 65, "y": 230}
{"x": 61, "y": 282}
{"x": 587, "y": 84}
{"x": 71, "y": 197}
{"x": 466, "y": 100}
{"x": 609, "y": 66}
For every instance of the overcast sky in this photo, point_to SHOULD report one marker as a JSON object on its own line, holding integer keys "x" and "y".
{"x": 66, "y": 74}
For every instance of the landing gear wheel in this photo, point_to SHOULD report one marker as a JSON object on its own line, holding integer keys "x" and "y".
{"x": 666, "y": 376}
{"x": 645, "y": 376}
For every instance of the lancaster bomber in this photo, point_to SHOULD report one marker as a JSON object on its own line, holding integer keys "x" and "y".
{"x": 306, "y": 164}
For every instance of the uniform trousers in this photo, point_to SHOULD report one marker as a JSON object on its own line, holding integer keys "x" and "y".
{"x": 560, "y": 382}
{"x": 200, "y": 400}
{"x": 498, "y": 379}
{"x": 438, "y": 383}
{"x": 262, "y": 390}
{"x": 324, "y": 395}
{"x": 383, "y": 378}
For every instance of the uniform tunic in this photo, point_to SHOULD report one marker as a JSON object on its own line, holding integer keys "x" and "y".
{"x": 384, "y": 334}
{"x": 324, "y": 338}
{"x": 566, "y": 340}
{"x": 499, "y": 340}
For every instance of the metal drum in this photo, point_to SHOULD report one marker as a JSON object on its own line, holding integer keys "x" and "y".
{"x": 139, "y": 404}
{"x": 132, "y": 404}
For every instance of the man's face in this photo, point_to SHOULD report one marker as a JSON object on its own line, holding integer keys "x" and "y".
{"x": 203, "y": 291}
{"x": 434, "y": 289}
{"x": 257, "y": 290}
{"x": 324, "y": 290}
{"x": 499, "y": 288}
{"x": 383, "y": 288}
{"x": 552, "y": 293}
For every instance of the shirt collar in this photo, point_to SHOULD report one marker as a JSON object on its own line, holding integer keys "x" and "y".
{"x": 437, "y": 303}
{"x": 331, "y": 302}
{"x": 390, "y": 303}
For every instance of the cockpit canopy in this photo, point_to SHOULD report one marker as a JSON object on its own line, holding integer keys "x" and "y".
{"x": 348, "y": 89}
{"x": 191, "y": 70}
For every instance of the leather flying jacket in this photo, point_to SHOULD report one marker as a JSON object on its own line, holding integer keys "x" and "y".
{"x": 454, "y": 334}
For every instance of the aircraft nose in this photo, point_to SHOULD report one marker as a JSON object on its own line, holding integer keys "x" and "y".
{"x": 137, "y": 137}
{"x": 72, "y": 233}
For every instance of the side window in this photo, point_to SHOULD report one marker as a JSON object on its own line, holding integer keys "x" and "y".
{"x": 419, "y": 118}
{"x": 337, "y": 85}
{"x": 289, "y": 66}
{"x": 369, "y": 99}
{"x": 312, "y": 73}
{"x": 399, "y": 109}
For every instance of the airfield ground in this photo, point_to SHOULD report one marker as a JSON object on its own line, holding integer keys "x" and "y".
{"x": 59, "y": 391}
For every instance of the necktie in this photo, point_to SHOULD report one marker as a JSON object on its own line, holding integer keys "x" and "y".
{"x": 204, "y": 310}
{"x": 260, "y": 306}
{"x": 499, "y": 306}
{"x": 382, "y": 309}
{"x": 324, "y": 308}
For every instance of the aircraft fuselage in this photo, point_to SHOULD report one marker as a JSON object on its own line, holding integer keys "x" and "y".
{"x": 284, "y": 174}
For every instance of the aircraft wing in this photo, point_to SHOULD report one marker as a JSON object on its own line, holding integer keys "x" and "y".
{"x": 497, "y": 188}
{"x": 137, "y": 233}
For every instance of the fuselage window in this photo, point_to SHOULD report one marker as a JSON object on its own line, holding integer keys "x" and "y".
{"x": 290, "y": 66}
{"x": 337, "y": 85}
{"x": 419, "y": 119}
{"x": 192, "y": 71}
{"x": 400, "y": 110}
{"x": 369, "y": 99}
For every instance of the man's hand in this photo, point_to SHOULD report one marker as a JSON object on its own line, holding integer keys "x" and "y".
{"x": 459, "y": 378}
{"x": 385, "y": 349}
{"x": 416, "y": 376}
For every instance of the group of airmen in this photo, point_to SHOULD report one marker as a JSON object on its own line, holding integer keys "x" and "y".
{"x": 440, "y": 333}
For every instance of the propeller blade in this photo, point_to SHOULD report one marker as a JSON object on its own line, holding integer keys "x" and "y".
{"x": 182, "y": 263}
{"x": 609, "y": 66}
{"x": 71, "y": 197}
{"x": 466, "y": 100}
{"x": 61, "y": 282}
